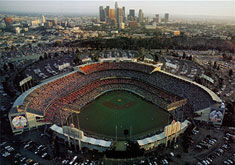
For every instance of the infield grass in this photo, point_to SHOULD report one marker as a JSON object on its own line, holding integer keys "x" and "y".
{"x": 115, "y": 111}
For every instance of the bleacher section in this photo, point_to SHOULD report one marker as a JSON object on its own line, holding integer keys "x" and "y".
{"x": 87, "y": 93}
{"x": 116, "y": 65}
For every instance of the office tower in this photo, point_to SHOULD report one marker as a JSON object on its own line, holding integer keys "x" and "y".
{"x": 147, "y": 20}
{"x": 133, "y": 24}
{"x": 141, "y": 16}
{"x": 54, "y": 22}
{"x": 116, "y": 10}
{"x": 43, "y": 19}
{"x": 119, "y": 15}
{"x": 123, "y": 12}
{"x": 102, "y": 13}
{"x": 35, "y": 23}
{"x": 17, "y": 30}
{"x": 107, "y": 11}
{"x": 113, "y": 21}
{"x": 116, "y": 5}
{"x": 122, "y": 26}
{"x": 120, "y": 20}
{"x": 132, "y": 14}
{"x": 166, "y": 17}
{"x": 8, "y": 22}
{"x": 48, "y": 24}
{"x": 64, "y": 23}
{"x": 157, "y": 18}
{"x": 112, "y": 13}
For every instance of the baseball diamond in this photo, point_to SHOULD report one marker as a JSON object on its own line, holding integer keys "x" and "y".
{"x": 117, "y": 111}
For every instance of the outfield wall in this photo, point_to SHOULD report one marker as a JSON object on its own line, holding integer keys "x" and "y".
{"x": 110, "y": 90}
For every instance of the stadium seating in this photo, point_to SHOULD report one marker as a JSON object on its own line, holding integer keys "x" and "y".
{"x": 79, "y": 89}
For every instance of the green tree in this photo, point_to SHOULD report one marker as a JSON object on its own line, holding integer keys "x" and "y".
{"x": 215, "y": 65}
{"x": 230, "y": 73}
{"x": 40, "y": 58}
{"x": 184, "y": 55}
{"x": 190, "y": 58}
{"x": 5, "y": 67}
{"x": 141, "y": 54}
{"x": 11, "y": 66}
{"x": 155, "y": 57}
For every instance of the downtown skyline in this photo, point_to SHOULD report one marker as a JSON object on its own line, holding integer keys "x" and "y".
{"x": 150, "y": 8}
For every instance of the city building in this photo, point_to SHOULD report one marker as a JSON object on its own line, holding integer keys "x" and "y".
{"x": 35, "y": 23}
{"x": 112, "y": 13}
{"x": 116, "y": 10}
{"x": 119, "y": 16}
{"x": 156, "y": 19}
{"x": 55, "y": 22}
{"x": 48, "y": 24}
{"x": 17, "y": 30}
{"x": 107, "y": 12}
{"x": 8, "y": 22}
{"x": 166, "y": 17}
{"x": 113, "y": 21}
{"x": 133, "y": 24}
{"x": 116, "y": 5}
{"x": 122, "y": 25}
{"x": 102, "y": 14}
{"x": 141, "y": 16}
{"x": 132, "y": 14}
{"x": 147, "y": 20}
{"x": 123, "y": 13}
{"x": 43, "y": 19}
{"x": 176, "y": 33}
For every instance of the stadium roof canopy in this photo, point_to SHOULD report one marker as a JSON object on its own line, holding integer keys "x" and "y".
{"x": 211, "y": 93}
{"x": 85, "y": 139}
{"x": 19, "y": 101}
{"x": 160, "y": 136}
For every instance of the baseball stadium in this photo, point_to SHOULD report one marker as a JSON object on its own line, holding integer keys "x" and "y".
{"x": 101, "y": 104}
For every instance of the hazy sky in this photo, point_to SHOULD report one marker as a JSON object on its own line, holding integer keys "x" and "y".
{"x": 149, "y": 7}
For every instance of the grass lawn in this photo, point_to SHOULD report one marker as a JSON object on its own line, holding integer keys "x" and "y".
{"x": 119, "y": 110}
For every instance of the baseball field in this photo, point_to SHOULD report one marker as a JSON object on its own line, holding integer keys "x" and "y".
{"x": 113, "y": 112}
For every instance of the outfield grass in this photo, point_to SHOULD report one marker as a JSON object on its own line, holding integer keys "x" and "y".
{"x": 121, "y": 110}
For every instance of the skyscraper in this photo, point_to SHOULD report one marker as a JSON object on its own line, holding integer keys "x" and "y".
{"x": 141, "y": 16}
{"x": 166, "y": 17}
{"x": 147, "y": 20}
{"x": 43, "y": 19}
{"x": 112, "y": 13}
{"x": 54, "y": 22}
{"x": 132, "y": 14}
{"x": 107, "y": 11}
{"x": 8, "y": 21}
{"x": 102, "y": 13}
{"x": 116, "y": 10}
{"x": 157, "y": 18}
{"x": 123, "y": 11}
{"x": 116, "y": 5}
{"x": 107, "y": 18}
{"x": 119, "y": 16}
